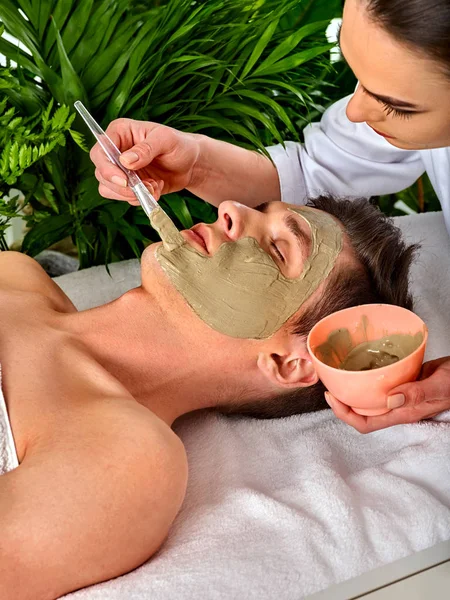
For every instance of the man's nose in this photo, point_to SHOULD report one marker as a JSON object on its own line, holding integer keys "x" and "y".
{"x": 361, "y": 108}
{"x": 233, "y": 219}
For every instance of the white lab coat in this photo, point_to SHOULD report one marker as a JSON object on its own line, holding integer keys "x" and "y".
{"x": 350, "y": 159}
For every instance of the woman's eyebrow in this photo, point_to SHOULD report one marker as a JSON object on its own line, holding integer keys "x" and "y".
{"x": 385, "y": 99}
{"x": 303, "y": 238}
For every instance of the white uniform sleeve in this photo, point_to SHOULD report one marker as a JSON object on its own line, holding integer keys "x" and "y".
{"x": 343, "y": 158}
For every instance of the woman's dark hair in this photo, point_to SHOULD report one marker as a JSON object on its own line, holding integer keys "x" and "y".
{"x": 421, "y": 24}
{"x": 382, "y": 276}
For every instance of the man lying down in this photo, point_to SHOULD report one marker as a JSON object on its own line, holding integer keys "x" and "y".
{"x": 218, "y": 322}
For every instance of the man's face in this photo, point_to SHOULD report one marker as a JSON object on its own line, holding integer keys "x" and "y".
{"x": 251, "y": 270}
{"x": 281, "y": 233}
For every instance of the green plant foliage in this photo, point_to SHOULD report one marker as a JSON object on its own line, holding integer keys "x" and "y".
{"x": 312, "y": 10}
{"x": 253, "y": 73}
{"x": 418, "y": 198}
{"x": 24, "y": 142}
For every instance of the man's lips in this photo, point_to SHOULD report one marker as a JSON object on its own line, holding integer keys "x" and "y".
{"x": 385, "y": 135}
{"x": 206, "y": 237}
{"x": 196, "y": 237}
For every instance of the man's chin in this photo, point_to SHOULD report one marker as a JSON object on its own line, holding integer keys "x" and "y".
{"x": 148, "y": 258}
{"x": 150, "y": 250}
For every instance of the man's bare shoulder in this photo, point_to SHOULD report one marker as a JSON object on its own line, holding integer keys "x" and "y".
{"x": 19, "y": 272}
{"x": 117, "y": 476}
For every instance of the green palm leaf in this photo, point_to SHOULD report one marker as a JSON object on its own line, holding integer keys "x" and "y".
{"x": 259, "y": 48}
{"x": 291, "y": 42}
{"x": 76, "y": 25}
{"x": 71, "y": 88}
{"x": 294, "y": 61}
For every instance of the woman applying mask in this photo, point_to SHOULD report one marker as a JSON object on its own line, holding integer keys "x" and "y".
{"x": 379, "y": 140}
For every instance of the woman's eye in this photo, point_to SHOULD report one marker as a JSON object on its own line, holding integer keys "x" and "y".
{"x": 391, "y": 110}
{"x": 396, "y": 112}
{"x": 277, "y": 252}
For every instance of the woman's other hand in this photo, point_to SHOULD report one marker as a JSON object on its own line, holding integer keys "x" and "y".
{"x": 410, "y": 402}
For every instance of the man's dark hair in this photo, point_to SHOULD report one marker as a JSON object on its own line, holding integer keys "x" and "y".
{"x": 423, "y": 25}
{"x": 381, "y": 277}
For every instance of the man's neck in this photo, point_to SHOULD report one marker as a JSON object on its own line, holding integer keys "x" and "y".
{"x": 154, "y": 359}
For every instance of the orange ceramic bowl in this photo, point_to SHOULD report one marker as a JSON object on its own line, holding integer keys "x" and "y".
{"x": 366, "y": 391}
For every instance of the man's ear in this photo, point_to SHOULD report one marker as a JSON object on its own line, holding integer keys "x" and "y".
{"x": 289, "y": 369}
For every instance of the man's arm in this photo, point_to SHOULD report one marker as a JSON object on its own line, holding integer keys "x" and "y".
{"x": 89, "y": 503}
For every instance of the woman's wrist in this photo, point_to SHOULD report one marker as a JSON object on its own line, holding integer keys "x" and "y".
{"x": 201, "y": 170}
{"x": 224, "y": 171}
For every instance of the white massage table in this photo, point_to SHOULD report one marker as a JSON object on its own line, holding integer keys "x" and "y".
{"x": 286, "y": 508}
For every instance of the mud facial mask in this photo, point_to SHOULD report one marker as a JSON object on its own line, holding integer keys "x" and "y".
{"x": 240, "y": 291}
{"x": 341, "y": 352}
{"x": 381, "y": 353}
{"x": 169, "y": 234}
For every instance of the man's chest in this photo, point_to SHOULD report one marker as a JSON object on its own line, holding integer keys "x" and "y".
{"x": 27, "y": 337}
{"x": 49, "y": 378}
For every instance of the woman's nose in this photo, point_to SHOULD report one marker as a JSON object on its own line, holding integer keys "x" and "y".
{"x": 232, "y": 219}
{"x": 362, "y": 108}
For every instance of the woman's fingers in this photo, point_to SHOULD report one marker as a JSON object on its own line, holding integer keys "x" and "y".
{"x": 114, "y": 192}
{"x": 410, "y": 412}
{"x": 107, "y": 192}
{"x": 431, "y": 366}
{"x": 432, "y": 388}
{"x": 118, "y": 185}
{"x": 346, "y": 414}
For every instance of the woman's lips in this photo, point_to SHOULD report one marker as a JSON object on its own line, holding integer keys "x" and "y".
{"x": 385, "y": 135}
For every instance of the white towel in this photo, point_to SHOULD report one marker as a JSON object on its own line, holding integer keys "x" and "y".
{"x": 8, "y": 456}
{"x": 284, "y": 508}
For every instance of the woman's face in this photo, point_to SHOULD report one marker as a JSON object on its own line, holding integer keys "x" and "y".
{"x": 402, "y": 94}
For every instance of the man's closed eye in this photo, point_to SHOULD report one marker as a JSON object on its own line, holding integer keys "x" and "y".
{"x": 277, "y": 252}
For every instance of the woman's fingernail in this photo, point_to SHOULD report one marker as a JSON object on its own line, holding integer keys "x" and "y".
{"x": 328, "y": 397}
{"x": 119, "y": 181}
{"x": 395, "y": 401}
{"x": 130, "y": 157}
